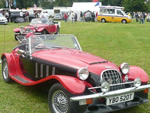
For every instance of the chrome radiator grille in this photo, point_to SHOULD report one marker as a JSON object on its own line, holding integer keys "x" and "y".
{"x": 112, "y": 77}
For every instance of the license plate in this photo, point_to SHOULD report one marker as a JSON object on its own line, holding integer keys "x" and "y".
{"x": 119, "y": 99}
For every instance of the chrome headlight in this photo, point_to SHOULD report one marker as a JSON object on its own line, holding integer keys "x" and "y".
{"x": 124, "y": 68}
{"x": 105, "y": 87}
{"x": 83, "y": 73}
{"x": 137, "y": 82}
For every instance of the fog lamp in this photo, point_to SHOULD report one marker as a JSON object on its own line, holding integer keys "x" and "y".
{"x": 137, "y": 82}
{"x": 105, "y": 87}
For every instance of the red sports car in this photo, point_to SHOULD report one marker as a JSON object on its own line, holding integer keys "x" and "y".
{"x": 38, "y": 26}
{"x": 78, "y": 82}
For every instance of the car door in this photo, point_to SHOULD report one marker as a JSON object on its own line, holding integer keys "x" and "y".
{"x": 52, "y": 28}
{"x": 119, "y": 16}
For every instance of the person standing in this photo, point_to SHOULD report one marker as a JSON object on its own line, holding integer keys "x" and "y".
{"x": 81, "y": 16}
{"x": 75, "y": 17}
{"x": 72, "y": 16}
{"x": 65, "y": 17}
{"x": 141, "y": 18}
{"x": 27, "y": 16}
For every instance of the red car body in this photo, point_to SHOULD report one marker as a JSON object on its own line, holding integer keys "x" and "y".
{"x": 38, "y": 26}
{"x": 65, "y": 70}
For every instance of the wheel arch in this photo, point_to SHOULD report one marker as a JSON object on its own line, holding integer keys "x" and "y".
{"x": 71, "y": 84}
{"x": 11, "y": 63}
{"x": 137, "y": 72}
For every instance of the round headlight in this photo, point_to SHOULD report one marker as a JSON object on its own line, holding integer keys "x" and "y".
{"x": 124, "y": 68}
{"x": 83, "y": 73}
{"x": 105, "y": 87}
{"x": 137, "y": 82}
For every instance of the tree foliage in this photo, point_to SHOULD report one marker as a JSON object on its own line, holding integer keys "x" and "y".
{"x": 130, "y": 5}
{"x": 135, "y": 5}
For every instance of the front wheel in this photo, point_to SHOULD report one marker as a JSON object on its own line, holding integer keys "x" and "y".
{"x": 124, "y": 21}
{"x": 44, "y": 32}
{"x": 58, "y": 31}
{"x": 5, "y": 72}
{"x": 59, "y": 100}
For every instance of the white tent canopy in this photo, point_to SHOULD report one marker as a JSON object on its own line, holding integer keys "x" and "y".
{"x": 84, "y": 6}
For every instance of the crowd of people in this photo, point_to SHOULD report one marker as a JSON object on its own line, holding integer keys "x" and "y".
{"x": 140, "y": 16}
{"x": 83, "y": 16}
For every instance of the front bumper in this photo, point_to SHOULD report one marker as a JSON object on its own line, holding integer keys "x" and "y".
{"x": 111, "y": 93}
{"x": 99, "y": 101}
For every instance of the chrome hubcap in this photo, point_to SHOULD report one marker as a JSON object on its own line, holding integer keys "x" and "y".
{"x": 5, "y": 71}
{"x": 60, "y": 102}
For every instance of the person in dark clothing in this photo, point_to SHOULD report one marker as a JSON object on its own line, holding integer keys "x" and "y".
{"x": 75, "y": 17}
{"x": 93, "y": 17}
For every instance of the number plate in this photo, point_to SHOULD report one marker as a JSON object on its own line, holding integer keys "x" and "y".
{"x": 119, "y": 99}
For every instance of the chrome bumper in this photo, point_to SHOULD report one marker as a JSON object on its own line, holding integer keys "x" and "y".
{"x": 111, "y": 93}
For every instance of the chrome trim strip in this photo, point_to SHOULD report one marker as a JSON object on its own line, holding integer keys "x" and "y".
{"x": 41, "y": 70}
{"x": 36, "y": 70}
{"x": 53, "y": 70}
{"x": 111, "y": 93}
{"x": 113, "y": 85}
{"x": 47, "y": 70}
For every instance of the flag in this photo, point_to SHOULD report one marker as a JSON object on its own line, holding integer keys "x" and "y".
{"x": 15, "y": 5}
{"x": 97, "y": 4}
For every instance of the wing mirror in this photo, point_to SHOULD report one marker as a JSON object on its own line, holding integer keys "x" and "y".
{"x": 21, "y": 52}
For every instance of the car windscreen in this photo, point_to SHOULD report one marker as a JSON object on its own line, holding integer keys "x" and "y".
{"x": 1, "y": 15}
{"x": 39, "y": 21}
{"x": 42, "y": 42}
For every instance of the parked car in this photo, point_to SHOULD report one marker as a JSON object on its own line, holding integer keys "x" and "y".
{"x": 113, "y": 14}
{"x": 148, "y": 17}
{"x": 58, "y": 16}
{"x": 78, "y": 82}
{"x": 38, "y": 26}
{"x": 3, "y": 20}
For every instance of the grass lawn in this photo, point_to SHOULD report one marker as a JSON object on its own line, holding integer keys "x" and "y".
{"x": 115, "y": 42}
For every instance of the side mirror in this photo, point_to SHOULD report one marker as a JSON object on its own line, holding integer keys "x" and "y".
{"x": 20, "y": 51}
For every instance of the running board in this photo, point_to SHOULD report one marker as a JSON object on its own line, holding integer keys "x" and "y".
{"x": 18, "y": 78}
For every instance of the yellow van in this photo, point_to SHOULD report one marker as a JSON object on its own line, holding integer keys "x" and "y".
{"x": 113, "y": 14}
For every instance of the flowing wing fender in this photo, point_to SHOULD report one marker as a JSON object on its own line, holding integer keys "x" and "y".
{"x": 40, "y": 29}
{"x": 72, "y": 84}
{"x": 138, "y": 72}
{"x": 17, "y": 30}
{"x": 11, "y": 63}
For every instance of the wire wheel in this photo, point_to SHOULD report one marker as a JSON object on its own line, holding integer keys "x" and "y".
{"x": 60, "y": 102}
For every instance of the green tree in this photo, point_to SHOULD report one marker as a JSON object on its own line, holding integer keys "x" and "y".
{"x": 135, "y": 5}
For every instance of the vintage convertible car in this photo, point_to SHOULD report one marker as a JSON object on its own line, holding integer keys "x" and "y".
{"x": 38, "y": 26}
{"x": 78, "y": 82}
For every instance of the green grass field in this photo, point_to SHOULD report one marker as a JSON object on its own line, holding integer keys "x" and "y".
{"x": 115, "y": 42}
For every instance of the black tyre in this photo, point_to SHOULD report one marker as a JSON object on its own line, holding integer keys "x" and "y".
{"x": 58, "y": 31}
{"x": 44, "y": 32}
{"x": 59, "y": 100}
{"x": 5, "y": 72}
{"x": 16, "y": 37}
{"x": 103, "y": 20}
{"x": 124, "y": 21}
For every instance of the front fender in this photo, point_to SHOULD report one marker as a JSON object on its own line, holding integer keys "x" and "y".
{"x": 11, "y": 63}
{"x": 138, "y": 72}
{"x": 17, "y": 30}
{"x": 71, "y": 84}
{"x": 40, "y": 29}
